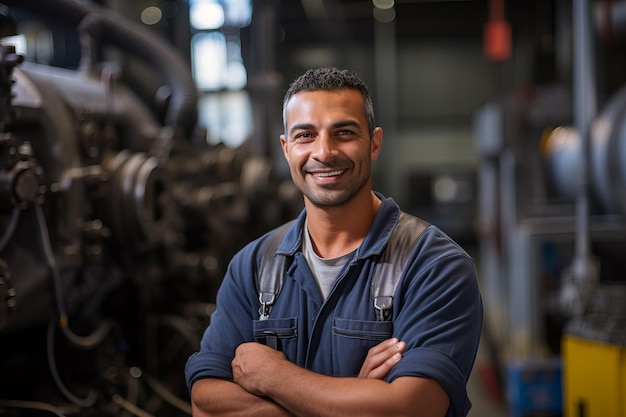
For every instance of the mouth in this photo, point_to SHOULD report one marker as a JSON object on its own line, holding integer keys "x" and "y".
{"x": 328, "y": 174}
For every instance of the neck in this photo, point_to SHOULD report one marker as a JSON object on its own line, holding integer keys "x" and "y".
{"x": 336, "y": 231}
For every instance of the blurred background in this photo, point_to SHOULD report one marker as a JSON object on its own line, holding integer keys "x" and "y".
{"x": 139, "y": 150}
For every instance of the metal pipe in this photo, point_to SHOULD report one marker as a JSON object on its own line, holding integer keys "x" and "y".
{"x": 584, "y": 92}
{"x": 128, "y": 36}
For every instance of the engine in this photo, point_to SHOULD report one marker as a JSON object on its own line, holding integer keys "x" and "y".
{"x": 116, "y": 226}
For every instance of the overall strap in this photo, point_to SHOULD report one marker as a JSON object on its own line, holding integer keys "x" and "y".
{"x": 392, "y": 262}
{"x": 387, "y": 271}
{"x": 271, "y": 273}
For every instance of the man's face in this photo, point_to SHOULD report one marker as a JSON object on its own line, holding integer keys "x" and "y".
{"x": 328, "y": 145}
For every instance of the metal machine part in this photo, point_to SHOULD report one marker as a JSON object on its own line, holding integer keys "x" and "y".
{"x": 552, "y": 221}
{"x": 115, "y": 228}
{"x": 607, "y": 157}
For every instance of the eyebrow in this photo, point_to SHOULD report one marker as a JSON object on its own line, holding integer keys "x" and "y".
{"x": 337, "y": 125}
{"x": 301, "y": 126}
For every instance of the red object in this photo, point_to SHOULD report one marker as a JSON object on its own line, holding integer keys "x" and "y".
{"x": 497, "y": 41}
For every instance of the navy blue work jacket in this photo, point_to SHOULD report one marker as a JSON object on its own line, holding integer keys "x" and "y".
{"x": 437, "y": 311}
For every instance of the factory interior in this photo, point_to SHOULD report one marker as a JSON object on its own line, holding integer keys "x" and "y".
{"x": 139, "y": 151}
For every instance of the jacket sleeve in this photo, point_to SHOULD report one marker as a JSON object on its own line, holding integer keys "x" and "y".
{"x": 231, "y": 323}
{"x": 439, "y": 316}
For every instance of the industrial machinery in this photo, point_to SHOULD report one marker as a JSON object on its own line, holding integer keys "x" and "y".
{"x": 553, "y": 230}
{"x": 116, "y": 224}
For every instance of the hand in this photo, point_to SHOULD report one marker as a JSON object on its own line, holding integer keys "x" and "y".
{"x": 253, "y": 364}
{"x": 381, "y": 358}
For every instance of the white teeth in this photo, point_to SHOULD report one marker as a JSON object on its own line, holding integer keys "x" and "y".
{"x": 327, "y": 174}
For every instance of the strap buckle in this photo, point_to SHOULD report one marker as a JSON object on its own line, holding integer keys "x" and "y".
{"x": 266, "y": 300}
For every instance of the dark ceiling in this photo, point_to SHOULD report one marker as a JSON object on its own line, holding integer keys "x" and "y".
{"x": 352, "y": 20}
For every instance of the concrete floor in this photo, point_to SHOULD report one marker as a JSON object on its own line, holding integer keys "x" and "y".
{"x": 486, "y": 395}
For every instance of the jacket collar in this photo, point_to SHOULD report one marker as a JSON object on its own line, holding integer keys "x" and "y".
{"x": 374, "y": 242}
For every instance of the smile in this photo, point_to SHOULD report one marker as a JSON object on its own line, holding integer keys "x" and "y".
{"x": 328, "y": 174}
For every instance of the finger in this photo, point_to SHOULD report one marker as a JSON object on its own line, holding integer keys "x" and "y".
{"x": 381, "y": 371}
{"x": 377, "y": 358}
{"x": 382, "y": 346}
{"x": 387, "y": 349}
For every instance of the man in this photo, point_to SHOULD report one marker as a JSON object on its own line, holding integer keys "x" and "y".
{"x": 322, "y": 352}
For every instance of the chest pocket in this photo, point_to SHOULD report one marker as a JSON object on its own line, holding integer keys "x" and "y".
{"x": 356, "y": 337}
{"x": 375, "y": 331}
{"x": 280, "y": 334}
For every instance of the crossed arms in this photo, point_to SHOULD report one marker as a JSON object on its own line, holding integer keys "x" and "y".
{"x": 267, "y": 384}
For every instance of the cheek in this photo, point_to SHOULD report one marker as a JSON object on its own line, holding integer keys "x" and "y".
{"x": 294, "y": 165}
{"x": 295, "y": 158}
{"x": 363, "y": 155}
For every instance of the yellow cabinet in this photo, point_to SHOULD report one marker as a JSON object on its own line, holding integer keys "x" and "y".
{"x": 594, "y": 378}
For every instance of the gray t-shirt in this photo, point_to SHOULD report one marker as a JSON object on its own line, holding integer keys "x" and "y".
{"x": 325, "y": 270}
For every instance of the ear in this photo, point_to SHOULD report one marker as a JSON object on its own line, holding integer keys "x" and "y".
{"x": 376, "y": 143}
{"x": 283, "y": 145}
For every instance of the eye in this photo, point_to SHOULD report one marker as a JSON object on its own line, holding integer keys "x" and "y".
{"x": 345, "y": 134}
{"x": 303, "y": 137}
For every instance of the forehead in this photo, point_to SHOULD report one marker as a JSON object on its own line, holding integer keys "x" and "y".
{"x": 347, "y": 103}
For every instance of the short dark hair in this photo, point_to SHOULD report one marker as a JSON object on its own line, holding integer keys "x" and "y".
{"x": 331, "y": 78}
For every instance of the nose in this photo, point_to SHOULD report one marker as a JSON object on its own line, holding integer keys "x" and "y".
{"x": 325, "y": 147}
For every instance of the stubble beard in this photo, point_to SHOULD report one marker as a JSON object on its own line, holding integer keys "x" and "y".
{"x": 330, "y": 195}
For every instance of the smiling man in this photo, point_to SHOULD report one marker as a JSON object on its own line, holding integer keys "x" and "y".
{"x": 327, "y": 347}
